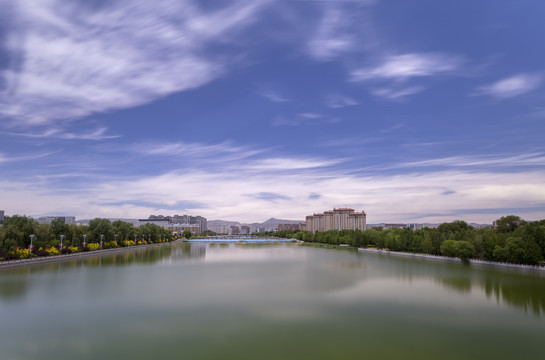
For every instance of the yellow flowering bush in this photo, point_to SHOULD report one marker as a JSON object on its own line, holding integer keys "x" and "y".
{"x": 52, "y": 250}
{"x": 73, "y": 249}
{"x": 112, "y": 244}
{"x": 93, "y": 246}
{"x": 22, "y": 253}
{"x": 139, "y": 242}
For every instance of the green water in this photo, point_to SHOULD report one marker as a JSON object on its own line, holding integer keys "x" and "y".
{"x": 230, "y": 301}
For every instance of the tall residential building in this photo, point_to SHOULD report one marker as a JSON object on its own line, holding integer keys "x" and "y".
{"x": 336, "y": 219}
{"x": 1, "y": 217}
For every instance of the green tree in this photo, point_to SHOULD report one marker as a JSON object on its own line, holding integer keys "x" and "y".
{"x": 509, "y": 223}
{"x": 464, "y": 250}
{"x": 448, "y": 248}
{"x": 99, "y": 227}
{"x": 186, "y": 234}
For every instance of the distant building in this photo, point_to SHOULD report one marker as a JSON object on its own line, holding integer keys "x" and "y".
{"x": 302, "y": 226}
{"x": 336, "y": 219}
{"x": 69, "y": 220}
{"x": 244, "y": 229}
{"x": 1, "y": 217}
{"x": 284, "y": 227}
{"x": 164, "y": 221}
{"x": 183, "y": 227}
{"x": 234, "y": 230}
{"x": 260, "y": 229}
{"x": 394, "y": 226}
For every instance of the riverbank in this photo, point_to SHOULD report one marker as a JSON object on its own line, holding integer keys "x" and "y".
{"x": 8, "y": 264}
{"x": 476, "y": 262}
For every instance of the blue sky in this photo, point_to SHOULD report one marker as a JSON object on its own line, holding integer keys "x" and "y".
{"x": 414, "y": 111}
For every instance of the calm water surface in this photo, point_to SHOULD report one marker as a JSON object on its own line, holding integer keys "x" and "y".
{"x": 284, "y": 301}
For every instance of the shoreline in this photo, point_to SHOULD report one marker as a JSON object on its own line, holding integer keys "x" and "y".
{"x": 483, "y": 263}
{"x": 9, "y": 264}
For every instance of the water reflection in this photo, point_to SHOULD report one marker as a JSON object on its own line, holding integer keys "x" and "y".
{"x": 316, "y": 271}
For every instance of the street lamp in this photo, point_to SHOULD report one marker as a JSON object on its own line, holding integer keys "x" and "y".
{"x": 149, "y": 238}
{"x": 115, "y": 239}
{"x": 31, "y": 238}
{"x": 61, "y": 246}
{"x": 101, "y": 237}
{"x": 135, "y": 241}
{"x": 84, "y": 240}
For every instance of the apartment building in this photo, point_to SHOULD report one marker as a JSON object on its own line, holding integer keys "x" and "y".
{"x": 336, "y": 219}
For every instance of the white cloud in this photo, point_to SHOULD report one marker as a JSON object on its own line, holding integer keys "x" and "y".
{"x": 340, "y": 101}
{"x": 222, "y": 193}
{"x": 331, "y": 38}
{"x": 406, "y": 66}
{"x": 98, "y": 134}
{"x": 512, "y": 86}
{"x": 307, "y": 118}
{"x": 274, "y": 96}
{"x": 70, "y": 60}
{"x": 397, "y": 93}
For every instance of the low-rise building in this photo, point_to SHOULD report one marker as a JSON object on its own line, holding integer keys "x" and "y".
{"x": 69, "y": 220}
{"x": 284, "y": 227}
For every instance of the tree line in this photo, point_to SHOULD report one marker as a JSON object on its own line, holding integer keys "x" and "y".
{"x": 513, "y": 240}
{"x": 15, "y": 236}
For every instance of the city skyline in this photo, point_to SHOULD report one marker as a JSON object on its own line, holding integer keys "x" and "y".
{"x": 417, "y": 112}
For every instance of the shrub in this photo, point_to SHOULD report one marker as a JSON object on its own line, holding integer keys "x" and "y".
{"x": 448, "y": 248}
{"x": 52, "y": 250}
{"x": 93, "y": 246}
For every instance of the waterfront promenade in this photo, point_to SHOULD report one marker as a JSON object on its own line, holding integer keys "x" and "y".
{"x": 53, "y": 258}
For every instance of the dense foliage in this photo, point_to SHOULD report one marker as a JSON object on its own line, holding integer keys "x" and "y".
{"x": 514, "y": 240}
{"x": 16, "y": 230}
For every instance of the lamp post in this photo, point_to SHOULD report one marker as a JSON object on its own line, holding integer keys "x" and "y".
{"x": 115, "y": 239}
{"x": 101, "y": 237}
{"x": 143, "y": 239}
{"x": 61, "y": 245}
{"x": 84, "y": 240}
{"x": 149, "y": 238}
{"x": 31, "y": 238}
{"x": 135, "y": 241}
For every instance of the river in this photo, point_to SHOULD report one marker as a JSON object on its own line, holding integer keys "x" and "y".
{"x": 268, "y": 301}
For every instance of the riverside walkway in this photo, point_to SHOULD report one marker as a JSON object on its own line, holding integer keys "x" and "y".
{"x": 53, "y": 258}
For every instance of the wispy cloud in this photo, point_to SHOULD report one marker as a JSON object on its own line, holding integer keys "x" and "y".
{"x": 332, "y": 37}
{"x": 98, "y": 134}
{"x": 526, "y": 159}
{"x": 274, "y": 96}
{"x": 512, "y": 86}
{"x": 113, "y": 56}
{"x": 406, "y": 66}
{"x": 397, "y": 93}
{"x": 27, "y": 157}
{"x": 340, "y": 101}
{"x": 308, "y": 118}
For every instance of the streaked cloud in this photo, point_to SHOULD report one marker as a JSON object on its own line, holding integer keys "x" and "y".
{"x": 274, "y": 96}
{"x": 340, "y": 101}
{"x": 397, "y": 93}
{"x": 106, "y": 58}
{"x": 406, "y": 66}
{"x": 98, "y": 134}
{"x": 513, "y": 86}
{"x": 307, "y": 118}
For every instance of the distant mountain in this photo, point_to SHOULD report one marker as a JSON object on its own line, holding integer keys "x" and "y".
{"x": 273, "y": 223}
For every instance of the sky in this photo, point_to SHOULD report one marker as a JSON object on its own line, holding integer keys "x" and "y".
{"x": 414, "y": 111}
